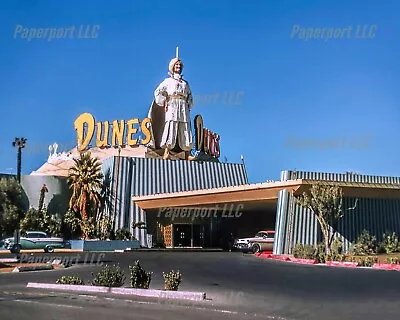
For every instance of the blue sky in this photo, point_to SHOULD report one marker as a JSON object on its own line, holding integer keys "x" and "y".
{"x": 294, "y": 91}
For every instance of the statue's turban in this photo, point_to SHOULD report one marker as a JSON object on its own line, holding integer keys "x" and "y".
{"x": 172, "y": 64}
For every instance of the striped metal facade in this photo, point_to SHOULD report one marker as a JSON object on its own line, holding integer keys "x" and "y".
{"x": 142, "y": 176}
{"x": 295, "y": 224}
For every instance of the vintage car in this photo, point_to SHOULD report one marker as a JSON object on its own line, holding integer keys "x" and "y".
{"x": 33, "y": 240}
{"x": 262, "y": 241}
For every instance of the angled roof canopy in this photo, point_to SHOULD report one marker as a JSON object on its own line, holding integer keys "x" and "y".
{"x": 261, "y": 192}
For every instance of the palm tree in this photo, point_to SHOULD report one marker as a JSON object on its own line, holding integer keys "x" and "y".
{"x": 85, "y": 180}
{"x": 19, "y": 143}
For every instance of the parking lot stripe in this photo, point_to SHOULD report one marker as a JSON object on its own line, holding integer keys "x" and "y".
{"x": 49, "y": 304}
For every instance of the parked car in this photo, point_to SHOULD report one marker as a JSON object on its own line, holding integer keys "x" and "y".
{"x": 262, "y": 241}
{"x": 32, "y": 240}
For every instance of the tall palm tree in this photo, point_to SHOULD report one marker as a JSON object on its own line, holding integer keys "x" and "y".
{"x": 19, "y": 143}
{"x": 85, "y": 180}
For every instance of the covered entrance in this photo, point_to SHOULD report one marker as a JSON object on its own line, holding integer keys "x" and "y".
{"x": 226, "y": 213}
{"x": 189, "y": 235}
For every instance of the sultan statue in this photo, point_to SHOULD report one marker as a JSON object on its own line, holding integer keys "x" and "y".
{"x": 170, "y": 113}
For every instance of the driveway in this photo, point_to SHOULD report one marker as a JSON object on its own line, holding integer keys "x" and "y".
{"x": 250, "y": 285}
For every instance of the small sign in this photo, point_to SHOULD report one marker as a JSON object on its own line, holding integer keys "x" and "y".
{"x": 205, "y": 140}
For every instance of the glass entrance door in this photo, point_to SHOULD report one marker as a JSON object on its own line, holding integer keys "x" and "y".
{"x": 182, "y": 235}
{"x": 191, "y": 235}
{"x": 198, "y": 235}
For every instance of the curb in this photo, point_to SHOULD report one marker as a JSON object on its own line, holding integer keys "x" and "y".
{"x": 342, "y": 264}
{"x": 183, "y": 295}
{"x": 36, "y": 268}
{"x": 303, "y": 261}
{"x": 384, "y": 266}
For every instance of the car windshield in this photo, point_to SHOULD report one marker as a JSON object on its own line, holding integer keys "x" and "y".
{"x": 260, "y": 234}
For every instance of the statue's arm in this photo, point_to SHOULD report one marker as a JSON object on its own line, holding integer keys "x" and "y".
{"x": 161, "y": 94}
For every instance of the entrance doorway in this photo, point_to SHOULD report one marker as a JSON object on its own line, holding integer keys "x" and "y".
{"x": 189, "y": 235}
{"x": 182, "y": 235}
{"x": 198, "y": 235}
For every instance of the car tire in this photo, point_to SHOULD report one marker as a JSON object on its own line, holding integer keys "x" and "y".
{"x": 256, "y": 248}
{"x": 15, "y": 248}
{"x": 49, "y": 249}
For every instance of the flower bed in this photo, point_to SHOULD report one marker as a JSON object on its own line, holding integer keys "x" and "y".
{"x": 279, "y": 257}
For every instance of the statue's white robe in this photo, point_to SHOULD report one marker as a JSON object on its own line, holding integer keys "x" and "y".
{"x": 177, "y": 118}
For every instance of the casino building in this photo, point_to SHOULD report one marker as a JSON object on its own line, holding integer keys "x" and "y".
{"x": 145, "y": 189}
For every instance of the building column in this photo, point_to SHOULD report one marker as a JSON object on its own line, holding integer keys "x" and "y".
{"x": 281, "y": 221}
{"x": 140, "y": 216}
{"x": 282, "y": 217}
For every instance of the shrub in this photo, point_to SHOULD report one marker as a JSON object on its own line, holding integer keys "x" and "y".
{"x": 320, "y": 253}
{"x": 392, "y": 260}
{"x": 41, "y": 221}
{"x": 337, "y": 246}
{"x": 310, "y": 252}
{"x": 71, "y": 224}
{"x": 365, "y": 244}
{"x": 390, "y": 243}
{"x": 366, "y": 261}
{"x": 338, "y": 257}
{"x": 88, "y": 228}
{"x": 103, "y": 228}
{"x": 353, "y": 259}
{"x": 139, "y": 277}
{"x": 11, "y": 206}
{"x": 298, "y": 250}
{"x": 123, "y": 234}
{"x": 75, "y": 280}
{"x": 109, "y": 276}
{"x": 172, "y": 280}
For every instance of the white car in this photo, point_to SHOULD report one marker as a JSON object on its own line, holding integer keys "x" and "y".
{"x": 262, "y": 241}
{"x": 32, "y": 240}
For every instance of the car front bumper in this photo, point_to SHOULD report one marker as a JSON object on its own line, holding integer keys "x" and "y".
{"x": 242, "y": 246}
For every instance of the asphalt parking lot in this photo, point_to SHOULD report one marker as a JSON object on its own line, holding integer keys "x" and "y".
{"x": 241, "y": 283}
